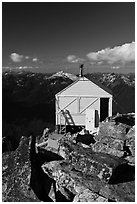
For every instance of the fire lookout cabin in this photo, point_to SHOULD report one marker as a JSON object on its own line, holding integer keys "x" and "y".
{"x": 83, "y": 103}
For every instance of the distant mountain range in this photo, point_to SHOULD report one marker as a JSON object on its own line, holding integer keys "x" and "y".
{"x": 31, "y": 89}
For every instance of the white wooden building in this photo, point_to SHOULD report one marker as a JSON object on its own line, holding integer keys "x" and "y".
{"x": 83, "y": 103}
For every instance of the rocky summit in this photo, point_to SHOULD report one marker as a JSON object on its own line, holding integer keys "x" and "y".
{"x": 74, "y": 167}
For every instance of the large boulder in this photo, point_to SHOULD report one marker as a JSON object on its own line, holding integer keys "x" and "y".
{"x": 77, "y": 184}
{"x": 111, "y": 129}
{"x": 111, "y": 138}
{"x": 71, "y": 182}
{"x": 102, "y": 176}
{"x": 16, "y": 173}
{"x": 87, "y": 161}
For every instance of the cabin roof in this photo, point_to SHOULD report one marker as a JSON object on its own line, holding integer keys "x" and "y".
{"x": 85, "y": 85}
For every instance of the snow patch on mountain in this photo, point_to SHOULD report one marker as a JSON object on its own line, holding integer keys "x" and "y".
{"x": 128, "y": 81}
{"x": 108, "y": 78}
{"x": 111, "y": 78}
{"x": 64, "y": 75}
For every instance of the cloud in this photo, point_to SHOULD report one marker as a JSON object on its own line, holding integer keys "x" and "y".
{"x": 74, "y": 59}
{"x": 16, "y": 57}
{"x": 19, "y": 58}
{"x": 119, "y": 54}
{"x": 27, "y": 57}
{"x": 35, "y": 59}
{"x": 115, "y": 67}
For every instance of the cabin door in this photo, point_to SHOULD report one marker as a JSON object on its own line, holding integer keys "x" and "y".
{"x": 104, "y": 104}
{"x": 90, "y": 119}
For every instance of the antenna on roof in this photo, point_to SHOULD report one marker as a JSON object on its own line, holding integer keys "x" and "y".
{"x": 81, "y": 70}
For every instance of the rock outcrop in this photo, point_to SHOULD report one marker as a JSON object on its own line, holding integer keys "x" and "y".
{"x": 16, "y": 174}
{"x": 91, "y": 176}
{"x": 103, "y": 169}
{"x": 73, "y": 167}
{"x": 111, "y": 138}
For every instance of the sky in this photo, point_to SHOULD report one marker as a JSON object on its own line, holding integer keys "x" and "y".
{"x": 53, "y": 36}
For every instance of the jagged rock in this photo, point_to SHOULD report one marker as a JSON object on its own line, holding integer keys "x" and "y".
{"x": 38, "y": 177}
{"x": 23, "y": 177}
{"x": 91, "y": 173}
{"x": 111, "y": 138}
{"x": 110, "y": 129}
{"x": 111, "y": 142}
{"x": 16, "y": 175}
{"x": 80, "y": 184}
{"x": 88, "y": 161}
{"x": 104, "y": 148}
{"x": 88, "y": 196}
{"x": 50, "y": 143}
{"x": 66, "y": 178}
{"x": 130, "y": 144}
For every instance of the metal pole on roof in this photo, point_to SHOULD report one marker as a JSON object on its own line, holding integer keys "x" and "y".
{"x": 81, "y": 70}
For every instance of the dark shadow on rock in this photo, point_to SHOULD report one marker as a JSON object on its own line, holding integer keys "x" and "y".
{"x": 85, "y": 139}
{"x": 61, "y": 198}
{"x": 126, "y": 150}
{"x": 109, "y": 200}
{"x": 126, "y": 120}
{"x": 127, "y": 130}
{"x": 70, "y": 194}
{"x": 47, "y": 156}
{"x": 123, "y": 173}
{"x": 39, "y": 181}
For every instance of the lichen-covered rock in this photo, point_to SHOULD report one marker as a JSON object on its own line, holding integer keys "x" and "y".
{"x": 67, "y": 178}
{"x": 111, "y": 139}
{"x": 88, "y": 188}
{"x": 121, "y": 192}
{"x": 104, "y": 148}
{"x": 89, "y": 172}
{"x": 97, "y": 172}
{"x": 111, "y": 142}
{"x": 88, "y": 196}
{"x": 16, "y": 175}
{"x": 89, "y": 162}
{"x": 111, "y": 129}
